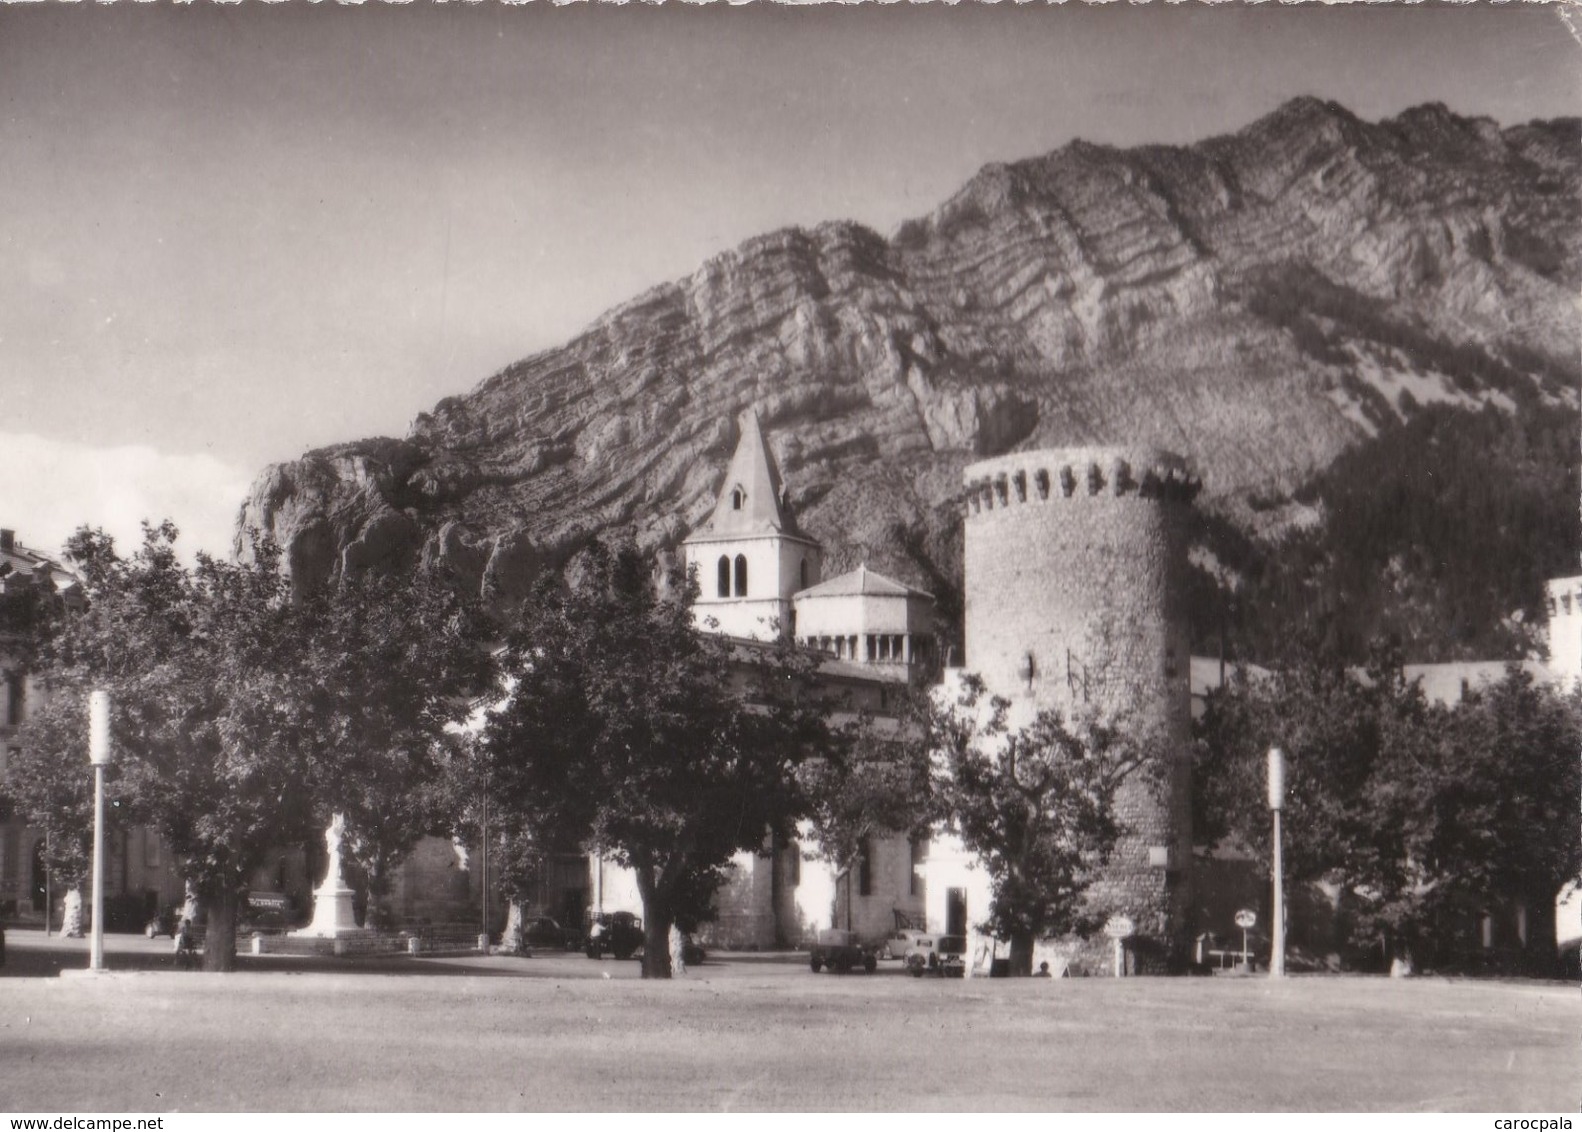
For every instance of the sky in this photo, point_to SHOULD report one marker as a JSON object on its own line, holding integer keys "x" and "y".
{"x": 234, "y": 233}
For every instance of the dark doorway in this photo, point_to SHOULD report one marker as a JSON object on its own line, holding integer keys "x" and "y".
{"x": 573, "y": 908}
{"x": 955, "y": 911}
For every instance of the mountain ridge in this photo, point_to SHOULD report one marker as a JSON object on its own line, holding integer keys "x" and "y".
{"x": 1261, "y": 301}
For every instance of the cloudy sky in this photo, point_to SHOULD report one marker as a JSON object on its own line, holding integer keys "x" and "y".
{"x": 230, "y": 234}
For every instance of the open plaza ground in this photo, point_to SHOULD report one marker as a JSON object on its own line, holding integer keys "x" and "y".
{"x": 560, "y": 1031}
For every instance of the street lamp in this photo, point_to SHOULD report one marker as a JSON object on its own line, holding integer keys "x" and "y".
{"x": 1276, "y": 801}
{"x": 99, "y": 756}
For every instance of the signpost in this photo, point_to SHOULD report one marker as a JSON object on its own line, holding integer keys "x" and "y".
{"x": 1120, "y": 929}
{"x": 1245, "y": 919}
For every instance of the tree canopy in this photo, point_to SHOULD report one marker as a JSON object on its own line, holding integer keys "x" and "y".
{"x": 243, "y": 717}
{"x": 1036, "y": 803}
{"x": 631, "y": 732}
{"x": 873, "y": 780}
{"x": 1423, "y": 816}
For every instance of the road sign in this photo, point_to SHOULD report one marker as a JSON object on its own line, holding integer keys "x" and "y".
{"x": 1246, "y": 918}
{"x": 1119, "y": 927}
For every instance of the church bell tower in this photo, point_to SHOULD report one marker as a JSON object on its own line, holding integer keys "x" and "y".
{"x": 749, "y": 557}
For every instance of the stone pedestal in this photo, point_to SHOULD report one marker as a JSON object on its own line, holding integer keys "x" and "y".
{"x": 332, "y": 911}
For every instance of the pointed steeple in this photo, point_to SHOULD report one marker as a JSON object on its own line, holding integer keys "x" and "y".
{"x": 750, "y": 499}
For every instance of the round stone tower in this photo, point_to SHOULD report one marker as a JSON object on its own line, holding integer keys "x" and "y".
{"x": 1075, "y": 570}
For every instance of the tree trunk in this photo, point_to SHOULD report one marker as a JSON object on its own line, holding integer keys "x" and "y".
{"x": 656, "y": 946}
{"x": 776, "y": 893}
{"x": 1021, "y": 953}
{"x": 1540, "y": 955}
{"x": 219, "y": 941}
{"x": 656, "y": 926}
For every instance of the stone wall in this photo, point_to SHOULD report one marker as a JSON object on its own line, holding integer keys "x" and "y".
{"x": 1075, "y": 563}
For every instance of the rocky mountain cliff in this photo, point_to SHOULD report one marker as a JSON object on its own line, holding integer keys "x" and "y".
{"x": 1260, "y": 302}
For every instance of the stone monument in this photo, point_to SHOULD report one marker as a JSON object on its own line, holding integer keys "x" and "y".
{"x": 332, "y": 901}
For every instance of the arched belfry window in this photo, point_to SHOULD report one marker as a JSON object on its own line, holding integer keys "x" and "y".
{"x": 741, "y": 575}
{"x": 723, "y": 580}
{"x": 738, "y": 498}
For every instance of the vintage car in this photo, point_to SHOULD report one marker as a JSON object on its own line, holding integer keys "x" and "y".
{"x": 942, "y": 955}
{"x": 841, "y": 951}
{"x": 619, "y": 933}
{"x": 544, "y": 932}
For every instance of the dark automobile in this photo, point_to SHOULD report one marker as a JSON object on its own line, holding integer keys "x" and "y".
{"x": 841, "y": 951}
{"x": 619, "y": 933}
{"x": 541, "y": 931}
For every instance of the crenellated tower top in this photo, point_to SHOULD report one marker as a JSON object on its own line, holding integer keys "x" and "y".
{"x": 1051, "y": 475}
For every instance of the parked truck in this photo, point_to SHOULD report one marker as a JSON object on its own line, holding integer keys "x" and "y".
{"x": 841, "y": 951}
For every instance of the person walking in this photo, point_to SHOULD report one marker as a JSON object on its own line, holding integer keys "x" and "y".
{"x": 183, "y": 945}
{"x": 678, "y": 962}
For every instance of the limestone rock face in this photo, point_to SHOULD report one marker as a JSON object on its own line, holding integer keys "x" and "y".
{"x": 1163, "y": 296}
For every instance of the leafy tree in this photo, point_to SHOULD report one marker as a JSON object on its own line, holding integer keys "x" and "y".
{"x": 1037, "y": 806}
{"x": 1501, "y": 817}
{"x": 874, "y": 781}
{"x": 30, "y": 610}
{"x": 1424, "y": 816}
{"x": 243, "y": 718}
{"x": 1328, "y": 724}
{"x": 388, "y": 664}
{"x": 51, "y": 786}
{"x": 632, "y": 732}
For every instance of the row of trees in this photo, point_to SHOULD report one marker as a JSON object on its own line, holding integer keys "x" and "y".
{"x": 1423, "y": 816}
{"x": 247, "y": 714}
{"x": 671, "y": 750}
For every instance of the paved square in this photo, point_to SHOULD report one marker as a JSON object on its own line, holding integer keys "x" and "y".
{"x": 749, "y": 1032}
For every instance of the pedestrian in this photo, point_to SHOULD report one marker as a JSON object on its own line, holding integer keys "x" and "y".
{"x": 183, "y": 944}
{"x": 1043, "y": 971}
{"x": 678, "y": 962}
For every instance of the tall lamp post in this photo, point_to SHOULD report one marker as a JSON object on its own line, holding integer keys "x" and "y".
{"x": 1276, "y": 801}
{"x": 99, "y": 756}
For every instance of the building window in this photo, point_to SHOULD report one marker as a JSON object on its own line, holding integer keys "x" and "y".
{"x": 865, "y": 869}
{"x": 723, "y": 582}
{"x": 738, "y": 497}
{"x": 919, "y": 856}
{"x": 151, "y": 850}
{"x": 13, "y": 698}
{"x": 802, "y": 573}
{"x": 741, "y": 575}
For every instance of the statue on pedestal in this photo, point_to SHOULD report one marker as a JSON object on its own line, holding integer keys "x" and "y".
{"x": 332, "y": 901}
